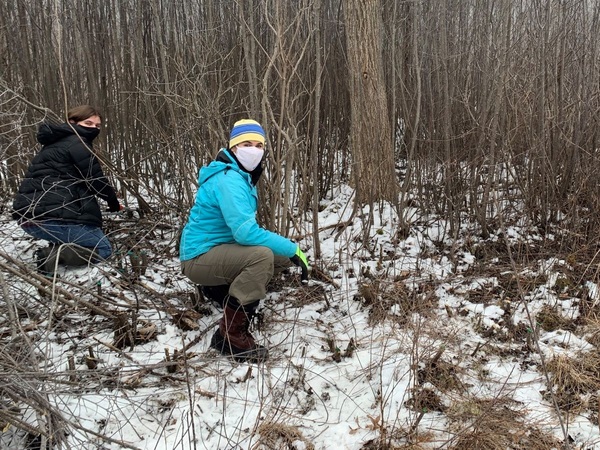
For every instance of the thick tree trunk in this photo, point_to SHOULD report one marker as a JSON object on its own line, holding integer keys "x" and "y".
{"x": 370, "y": 135}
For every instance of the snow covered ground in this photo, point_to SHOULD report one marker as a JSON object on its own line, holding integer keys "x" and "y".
{"x": 416, "y": 342}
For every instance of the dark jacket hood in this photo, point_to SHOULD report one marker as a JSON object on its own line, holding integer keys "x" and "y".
{"x": 49, "y": 132}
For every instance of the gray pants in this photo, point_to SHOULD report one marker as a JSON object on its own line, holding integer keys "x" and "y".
{"x": 246, "y": 269}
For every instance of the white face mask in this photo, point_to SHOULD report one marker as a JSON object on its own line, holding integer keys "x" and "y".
{"x": 249, "y": 157}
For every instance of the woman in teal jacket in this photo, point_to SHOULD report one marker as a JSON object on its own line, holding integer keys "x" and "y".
{"x": 224, "y": 249}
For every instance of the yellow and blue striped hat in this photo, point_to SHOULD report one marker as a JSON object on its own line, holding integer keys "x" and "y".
{"x": 246, "y": 130}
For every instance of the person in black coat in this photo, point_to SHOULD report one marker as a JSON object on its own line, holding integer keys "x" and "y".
{"x": 56, "y": 200}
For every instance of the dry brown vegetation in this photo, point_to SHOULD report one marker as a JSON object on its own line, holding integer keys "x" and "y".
{"x": 575, "y": 381}
{"x": 496, "y": 424}
{"x": 275, "y": 436}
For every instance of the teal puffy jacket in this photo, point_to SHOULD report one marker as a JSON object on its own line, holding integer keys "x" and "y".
{"x": 224, "y": 212}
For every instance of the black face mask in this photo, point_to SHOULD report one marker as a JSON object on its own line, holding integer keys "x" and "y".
{"x": 90, "y": 132}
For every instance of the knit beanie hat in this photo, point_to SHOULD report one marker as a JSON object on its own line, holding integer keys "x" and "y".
{"x": 246, "y": 130}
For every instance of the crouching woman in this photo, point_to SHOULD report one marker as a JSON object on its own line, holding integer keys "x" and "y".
{"x": 223, "y": 247}
{"x": 56, "y": 200}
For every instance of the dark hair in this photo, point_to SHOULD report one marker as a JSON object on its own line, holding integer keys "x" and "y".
{"x": 82, "y": 112}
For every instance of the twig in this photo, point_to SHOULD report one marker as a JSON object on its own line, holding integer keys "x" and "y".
{"x": 41, "y": 283}
{"x": 105, "y": 438}
{"x": 199, "y": 337}
{"x": 532, "y": 324}
{"x": 12, "y": 311}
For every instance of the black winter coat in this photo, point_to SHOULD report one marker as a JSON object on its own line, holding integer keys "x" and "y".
{"x": 63, "y": 179}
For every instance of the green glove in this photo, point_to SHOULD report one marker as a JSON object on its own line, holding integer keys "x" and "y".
{"x": 300, "y": 260}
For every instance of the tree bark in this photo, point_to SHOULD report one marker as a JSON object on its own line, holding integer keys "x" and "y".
{"x": 370, "y": 134}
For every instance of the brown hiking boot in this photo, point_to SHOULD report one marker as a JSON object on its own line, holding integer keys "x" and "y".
{"x": 233, "y": 337}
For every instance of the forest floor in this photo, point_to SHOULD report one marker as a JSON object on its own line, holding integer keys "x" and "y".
{"x": 408, "y": 341}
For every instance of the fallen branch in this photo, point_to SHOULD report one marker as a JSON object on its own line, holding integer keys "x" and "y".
{"x": 48, "y": 287}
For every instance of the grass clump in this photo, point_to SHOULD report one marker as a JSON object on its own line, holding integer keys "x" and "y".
{"x": 496, "y": 424}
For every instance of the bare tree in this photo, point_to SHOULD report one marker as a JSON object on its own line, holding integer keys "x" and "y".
{"x": 462, "y": 91}
{"x": 370, "y": 135}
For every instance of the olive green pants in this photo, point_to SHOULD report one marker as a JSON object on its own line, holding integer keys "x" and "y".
{"x": 246, "y": 269}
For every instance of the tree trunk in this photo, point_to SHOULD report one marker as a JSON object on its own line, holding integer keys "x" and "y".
{"x": 370, "y": 133}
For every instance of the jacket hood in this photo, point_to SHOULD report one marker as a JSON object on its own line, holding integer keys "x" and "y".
{"x": 49, "y": 132}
